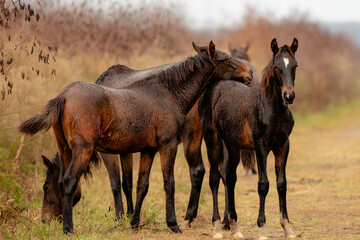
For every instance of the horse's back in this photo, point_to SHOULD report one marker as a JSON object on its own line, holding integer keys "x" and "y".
{"x": 120, "y": 76}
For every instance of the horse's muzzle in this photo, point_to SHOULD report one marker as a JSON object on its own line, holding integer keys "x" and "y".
{"x": 289, "y": 97}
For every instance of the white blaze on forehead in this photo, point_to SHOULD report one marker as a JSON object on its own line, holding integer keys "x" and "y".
{"x": 286, "y": 61}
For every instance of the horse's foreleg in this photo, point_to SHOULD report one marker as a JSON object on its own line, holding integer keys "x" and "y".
{"x": 230, "y": 176}
{"x": 214, "y": 147}
{"x": 192, "y": 138}
{"x": 111, "y": 162}
{"x": 263, "y": 183}
{"x": 78, "y": 165}
{"x": 167, "y": 159}
{"x": 281, "y": 155}
{"x": 145, "y": 164}
{"x": 127, "y": 170}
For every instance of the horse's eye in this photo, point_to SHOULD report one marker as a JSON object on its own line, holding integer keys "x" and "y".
{"x": 46, "y": 187}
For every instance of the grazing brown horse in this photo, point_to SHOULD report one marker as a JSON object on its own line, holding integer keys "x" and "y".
{"x": 256, "y": 118}
{"x": 117, "y": 76}
{"x": 145, "y": 117}
{"x": 120, "y": 76}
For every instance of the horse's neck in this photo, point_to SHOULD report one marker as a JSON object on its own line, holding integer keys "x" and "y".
{"x": 192, "y": 83}
{"x": 272, "y": 94}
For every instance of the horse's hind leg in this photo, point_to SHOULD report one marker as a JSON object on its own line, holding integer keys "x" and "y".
{"x": 167, "y": 160}
{"x": 192, "y": 138}
{"x": 78, "y": 165}
{"x": 223, "y": 168}
{"x": 127, "y": 170}
{"x": 214, "y": 147}
{"x": 281, "y": 154}
{"x": 142, "y": 187}
{"x": 111, "y": 162}
{"x": 233, "y": 162}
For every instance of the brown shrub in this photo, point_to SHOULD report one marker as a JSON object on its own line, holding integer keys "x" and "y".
{"x": 121, "y": 31}
{"x": 327, "y": 71}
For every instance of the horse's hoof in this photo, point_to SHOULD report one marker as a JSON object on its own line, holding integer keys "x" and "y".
{"x": 176, "y": 229}
{"x": 235, "y": 231}
{"x": 226, "y": 225}
{"x": 187, "y": 224}
{"x": 217, "y": 229}
{"x": 288, "y": 232}
{"x": 218, "y": 235}
{"x": 237, "y": 235}
{"x": 262, "y": 233}
{"x": 291, "y": 236}
{"x": 134, "y": 225}
{"x": 68, "y": 230}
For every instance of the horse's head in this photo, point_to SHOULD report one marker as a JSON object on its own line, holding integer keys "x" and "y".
{"x": 52, "y": 206}
{"x": 284, "y": 68}
{"x": 52, "y": 197}
{"x": 240, "y": 52}
{"x": 226, "y": 67}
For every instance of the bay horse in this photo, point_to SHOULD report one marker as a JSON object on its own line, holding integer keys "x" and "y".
{"x": 256, "y": 118}
{"x": 145, "y": 117}
{"x": 120, "y": 76}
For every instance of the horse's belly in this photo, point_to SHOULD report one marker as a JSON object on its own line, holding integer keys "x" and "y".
{"x": 117, "y": 142}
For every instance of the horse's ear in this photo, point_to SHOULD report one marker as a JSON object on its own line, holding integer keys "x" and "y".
{"x": 294, "y": 45}
{"x": 196, "y": 47}
{"x": 247, "y": 46}
{"x": 230, "y": 47}
{"x": 47, "y": 162}
{"x": 211, "y": 49}
{"x": 274, "y": 46}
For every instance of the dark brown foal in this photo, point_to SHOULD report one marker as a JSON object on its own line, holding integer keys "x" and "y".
{"x": 256, "y": 118}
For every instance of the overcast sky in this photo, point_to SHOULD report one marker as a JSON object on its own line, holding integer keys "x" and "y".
{"x": 223, "y": 12}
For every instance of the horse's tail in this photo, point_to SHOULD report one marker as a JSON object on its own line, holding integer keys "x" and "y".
{"x": 248, "y": 160}
{"x": 95, "y": 161}
{"x": 45, "y": 120}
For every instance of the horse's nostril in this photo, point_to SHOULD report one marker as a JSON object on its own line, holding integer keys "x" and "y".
{"x": 289, "y": 97}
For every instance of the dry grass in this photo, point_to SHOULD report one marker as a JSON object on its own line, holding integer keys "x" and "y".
{"x": 323, "y": 194}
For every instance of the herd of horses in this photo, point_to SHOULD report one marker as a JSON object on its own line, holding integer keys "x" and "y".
{"x": 211, "y": 96}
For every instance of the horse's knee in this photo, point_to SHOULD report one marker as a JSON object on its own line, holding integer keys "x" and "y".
{"x": 127, "y": 184}
{"x": 116, "y": 188}
{"x": 69, "y": 185}
{"x": 143, "y": 188}
{"x": 263, "y": 187}
{"x": 231, "y": 178}
{"x": 197, "y": 174}
{"x": 281, "y": 186}
{"x": 169, "y": 185}
{"x": 214, "y": 179}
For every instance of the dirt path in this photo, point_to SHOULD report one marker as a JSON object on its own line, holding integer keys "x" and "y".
{"x": 323, "y": 174}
